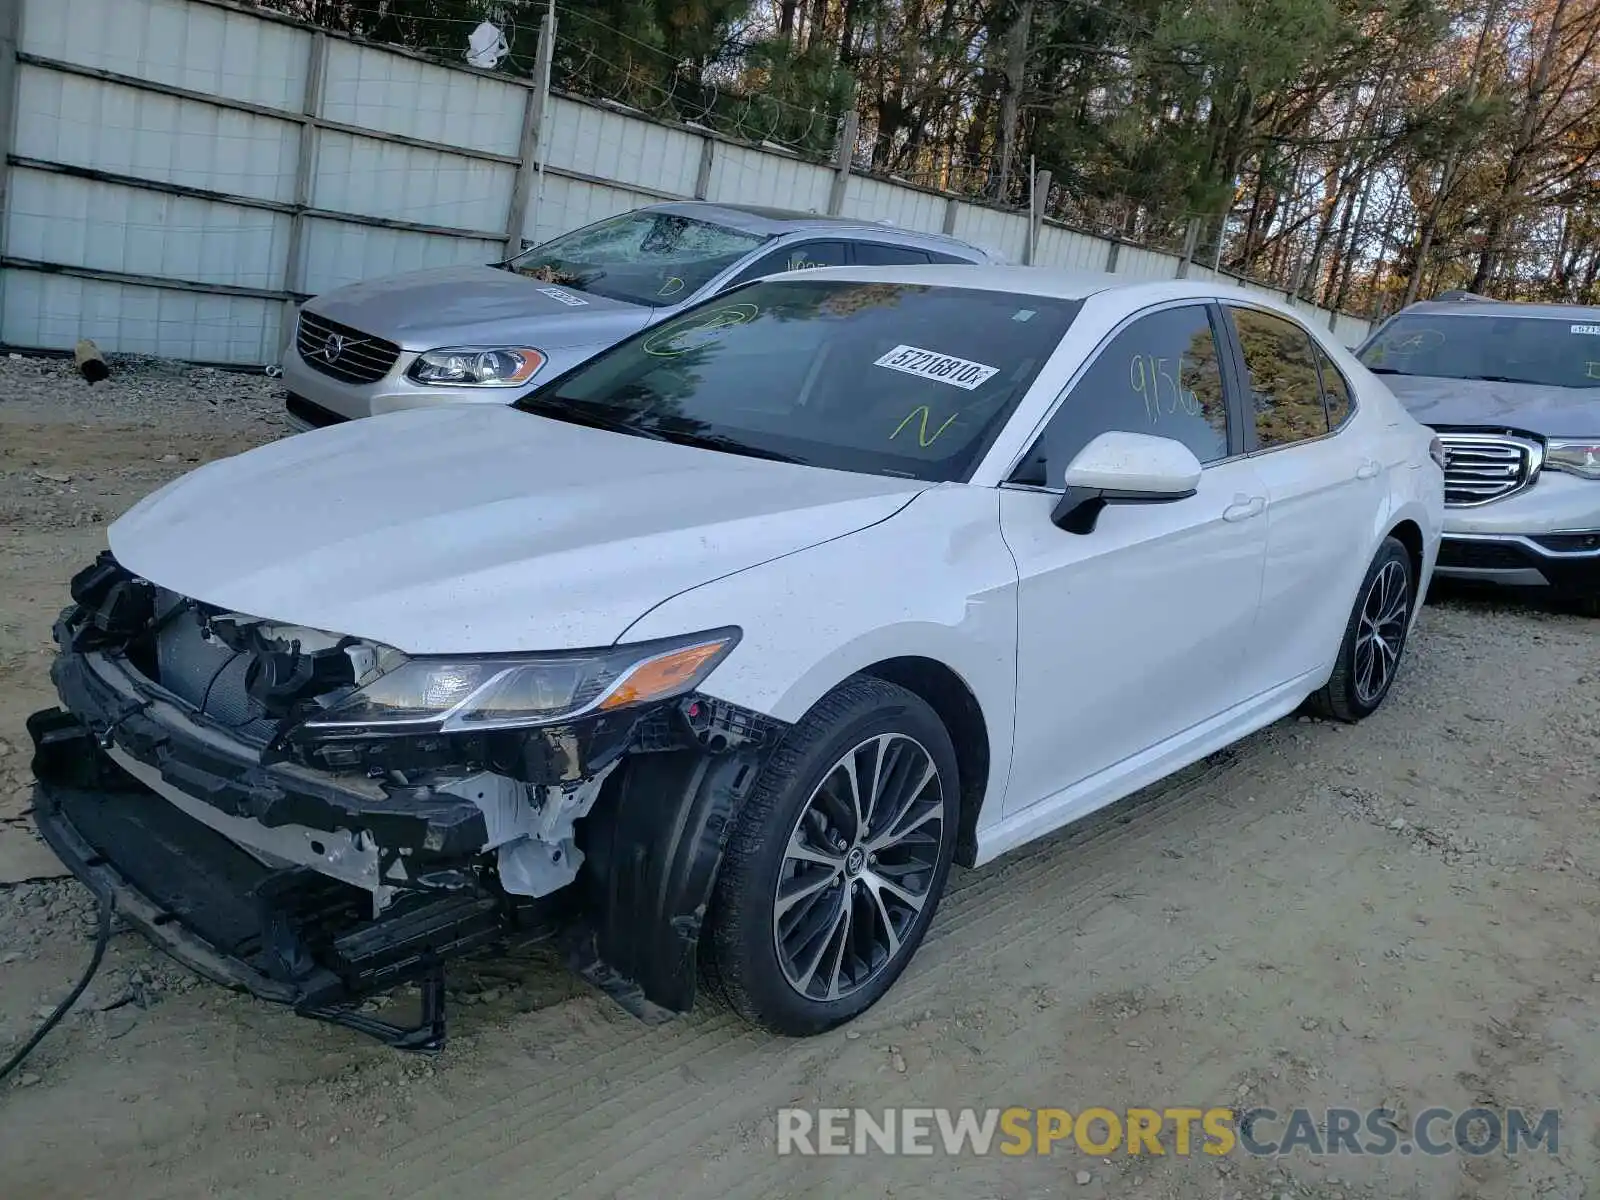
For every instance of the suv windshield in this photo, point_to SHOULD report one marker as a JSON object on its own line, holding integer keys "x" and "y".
{"x": 883, "y": 378}
{"x": 651, "y": 258}
{"x": 1537, "y": 350}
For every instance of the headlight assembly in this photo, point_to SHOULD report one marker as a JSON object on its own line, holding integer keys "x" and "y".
{"x": 468, "y": 695}
{"x": 477, "y": 366}
{"x": 1576, "y": 456}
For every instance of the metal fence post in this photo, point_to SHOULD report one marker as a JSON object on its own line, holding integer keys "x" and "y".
{"x": 1191, "y": 238}
{"x": 525, "y": 192}
{"x": 844, "y": 155}
{"x": 708, "y": 153}
{"x": 305, "y": 173}
{"x": 1041, "y": 194}
{"x": 10, "y": 40}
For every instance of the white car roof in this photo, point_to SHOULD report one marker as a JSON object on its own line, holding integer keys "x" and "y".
{"x": 1045, "y": 281}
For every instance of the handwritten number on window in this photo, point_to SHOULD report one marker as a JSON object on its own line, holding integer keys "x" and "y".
{"x": 1147, "y": 375}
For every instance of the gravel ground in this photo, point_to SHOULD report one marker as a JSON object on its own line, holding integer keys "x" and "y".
{"x": 1391, "y": 914}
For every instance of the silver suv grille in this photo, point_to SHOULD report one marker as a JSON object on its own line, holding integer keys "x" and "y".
{"x": 1483, "y": 467}
{"x": 346, "y": 354}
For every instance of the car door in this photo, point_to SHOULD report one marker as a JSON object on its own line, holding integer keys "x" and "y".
{"x": 1324, "y": 491}
{"x": 1133, "y": 633}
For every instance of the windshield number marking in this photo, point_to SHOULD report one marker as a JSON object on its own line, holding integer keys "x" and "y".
{"x": 942, "y": 368}
{"x": 566, "y": 298}
{"x": 1591, "y": 330}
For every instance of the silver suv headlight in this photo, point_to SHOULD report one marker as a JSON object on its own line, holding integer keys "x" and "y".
{"x": 1576, "y": 456}
{"x": 477, "y": 366}
{"x": 477, "y": 694}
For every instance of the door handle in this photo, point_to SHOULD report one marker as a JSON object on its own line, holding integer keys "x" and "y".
{"x": 1244, "y": 508}
{"x": 1367, "y": 469}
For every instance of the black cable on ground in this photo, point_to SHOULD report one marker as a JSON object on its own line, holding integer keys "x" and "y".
{"x": 101, "y": 937}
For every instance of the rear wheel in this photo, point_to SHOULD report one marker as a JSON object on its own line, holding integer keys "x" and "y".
{"x": 836, "y": 861}
{"x": 1374, "y": 638}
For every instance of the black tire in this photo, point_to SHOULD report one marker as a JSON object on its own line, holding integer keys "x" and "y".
{"x": 1346, "y": 696}
{"x": 741, "y": 956}
{"x": 1589, "y": 606}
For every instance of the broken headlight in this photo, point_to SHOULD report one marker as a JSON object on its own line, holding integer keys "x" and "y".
{"x": 469, "y": 695}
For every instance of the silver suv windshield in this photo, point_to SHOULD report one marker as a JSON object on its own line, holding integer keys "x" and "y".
{"x": 650, "y": 258}
{"x": 883, "y": 378}
{"x": 1503, "y": 349}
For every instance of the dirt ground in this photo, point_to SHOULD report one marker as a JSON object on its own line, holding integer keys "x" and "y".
{"x": 1395, "y": 914}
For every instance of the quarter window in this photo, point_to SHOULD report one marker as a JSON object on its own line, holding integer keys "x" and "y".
{"x": 1335, "y": 390}
{"x": 1285, "y": 393}
{"x": 1161, "y": 375}
{"x": 877, "y": 254}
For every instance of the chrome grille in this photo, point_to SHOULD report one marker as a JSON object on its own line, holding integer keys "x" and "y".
{"x": 1483, "y": 467}
{"x": 346, "y": 354}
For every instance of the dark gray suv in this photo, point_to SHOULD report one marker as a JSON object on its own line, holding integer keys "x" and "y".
{"x": 481, "y": 334}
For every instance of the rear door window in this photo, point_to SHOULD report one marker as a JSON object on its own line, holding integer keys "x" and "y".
{"x": 880, "y": 254}
{"x": 1285, "y": 389}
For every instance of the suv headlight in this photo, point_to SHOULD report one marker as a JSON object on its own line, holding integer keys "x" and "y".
{"x": 1577, "y": 456}
{"x": 476, "y": 694}
{"x": 477, "y": 366}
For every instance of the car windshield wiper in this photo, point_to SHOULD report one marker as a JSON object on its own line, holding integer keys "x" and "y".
{"x": 1503, "y": 379}
{"x": 717, "y": 441}
{"x": 1387, "y": 371}
{"x": 563, "y": 410}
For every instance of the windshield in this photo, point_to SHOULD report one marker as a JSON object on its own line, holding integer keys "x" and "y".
{"x": 883, "y": 378}
{"x": 1538, "y": 350}
{"x": 651, "y": 258}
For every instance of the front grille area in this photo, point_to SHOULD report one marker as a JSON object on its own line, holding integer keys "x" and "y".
{"x": 1482, "y": 556}
{"x": 344, "y": 353}
{"x": 1483, "y": 467}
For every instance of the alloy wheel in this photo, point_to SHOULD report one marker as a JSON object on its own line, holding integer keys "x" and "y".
{"x": 1381, "y": 632}
{"x": 858, "y": 867}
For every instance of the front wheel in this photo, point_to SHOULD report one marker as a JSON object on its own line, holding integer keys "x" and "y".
{"x": 1374, "y": 638}
{"x": 836, "y": 861}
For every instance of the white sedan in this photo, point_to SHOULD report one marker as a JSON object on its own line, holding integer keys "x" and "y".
{"x": 724, "y": 645}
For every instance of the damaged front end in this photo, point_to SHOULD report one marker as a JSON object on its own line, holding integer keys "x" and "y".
{"x": 314, "y": 818}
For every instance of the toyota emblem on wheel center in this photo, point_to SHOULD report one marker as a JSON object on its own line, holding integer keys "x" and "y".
{"x": 333, "y": 347}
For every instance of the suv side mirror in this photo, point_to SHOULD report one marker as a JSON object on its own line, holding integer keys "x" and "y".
{"x": 1124, "y": 468}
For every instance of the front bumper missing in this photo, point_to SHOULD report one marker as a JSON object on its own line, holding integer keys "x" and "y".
{"x": 288, "y": 935}
{"x": 315, "y": 889}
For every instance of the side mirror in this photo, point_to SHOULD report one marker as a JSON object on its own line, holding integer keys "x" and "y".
{"x": 1124, "y": 468}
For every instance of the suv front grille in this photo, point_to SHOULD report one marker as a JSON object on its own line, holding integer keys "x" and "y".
{"x": 1483, "y": 467}
{"x": 346, "y": 354}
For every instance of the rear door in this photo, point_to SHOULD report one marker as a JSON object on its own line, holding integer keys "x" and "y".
{"x": 1325, "y": 490}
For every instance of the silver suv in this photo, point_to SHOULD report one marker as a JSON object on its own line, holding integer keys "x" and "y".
{"x": 1513, "y": 391}
{"x": 482, "y": 334}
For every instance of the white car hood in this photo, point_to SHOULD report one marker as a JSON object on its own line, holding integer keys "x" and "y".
{"x": 480, "y": 529}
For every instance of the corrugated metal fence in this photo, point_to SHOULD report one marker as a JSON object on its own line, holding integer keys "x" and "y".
{"x": 179, "y": 172}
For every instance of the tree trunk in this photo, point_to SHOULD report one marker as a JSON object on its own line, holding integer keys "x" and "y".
{"x": 1016, "y": 76}
{"x": 1511, "y": 186}
{"x": 1447, "y": 174}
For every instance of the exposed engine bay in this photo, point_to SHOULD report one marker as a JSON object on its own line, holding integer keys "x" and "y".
{"x": 200, "y": 772}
